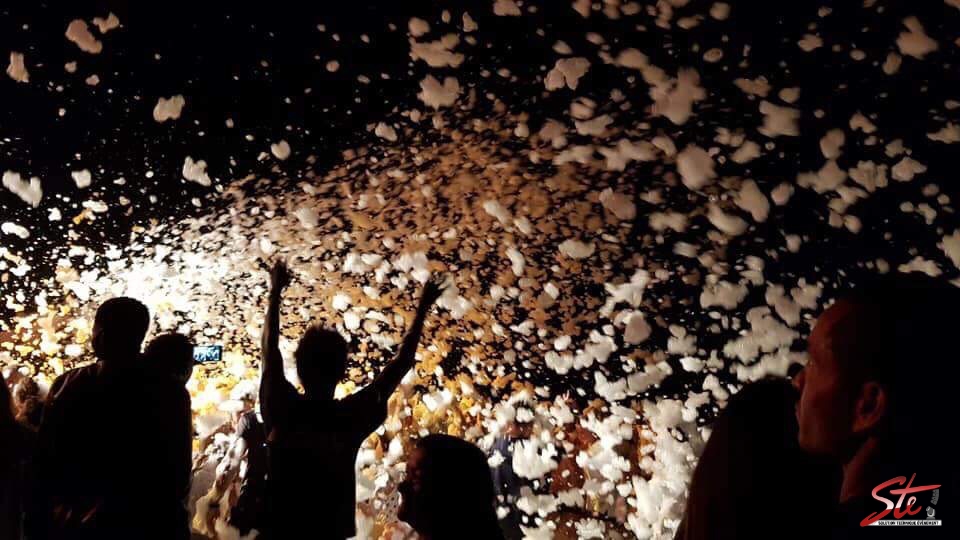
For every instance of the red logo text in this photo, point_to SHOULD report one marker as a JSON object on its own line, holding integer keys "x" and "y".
{"x": 898, "y": 513}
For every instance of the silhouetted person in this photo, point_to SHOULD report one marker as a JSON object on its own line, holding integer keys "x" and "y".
{"x": 250, "y": 510}
{"x": 28, "y": 403}
{"x": 115, "y": 441}
{"x": 16, "y": 446}
{"x": 505, "y": 481}
{"x": 170, "y": 355}
{"x": 752, "y": 480}
{"x": 448, "y": 492}
{"x": 313, "y": 438}
{"x": 877, "y": 397}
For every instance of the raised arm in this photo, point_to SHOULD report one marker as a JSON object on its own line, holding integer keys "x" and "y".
{"x": 393, "y": 373}
{"x": 275, "y": 390}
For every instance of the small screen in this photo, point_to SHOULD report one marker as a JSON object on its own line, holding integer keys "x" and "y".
{"x": 204, "y": 354}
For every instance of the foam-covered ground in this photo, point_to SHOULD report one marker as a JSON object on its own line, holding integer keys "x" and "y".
{"x": 621, "y": 262}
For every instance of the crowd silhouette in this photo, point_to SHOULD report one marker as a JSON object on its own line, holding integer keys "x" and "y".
{"x": 107, "y": 454}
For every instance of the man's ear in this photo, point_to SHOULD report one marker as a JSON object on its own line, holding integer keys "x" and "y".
{"x": 871, "y": 407}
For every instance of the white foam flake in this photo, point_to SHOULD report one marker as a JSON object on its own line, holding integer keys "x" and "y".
{"x": 907, "y": 168}
{"x": 892, "y": 63}
{"x": 870, "y": 175}
{"x": 727, "y": 223}
{"x": 30, "y": 192}
{"x": 196, "y": 171}
{"x": 308, "y": 217}
{"x": 810, "y": 42}
{"x": 506, "y": 8}
{"x": 17, "y": 230}
{"x": 108, "y": 24}
{"x": 517, "y": 262}
{"x": 532, "y": 459}
{"x": 280, "y": 149}
{"x": 674, "y": 98}
{"x": 828, "y": 178}
{"x": 720, "y": 11}
{"x": 591, "y": 528}
{"x": 778, "y": 120}
{"x": 781, "y": 194}
{"x": 695, "y": 167}
{"x": 16, "y": 69}
{"x": 914, "y": 41}
{"x": 831, "y": 143}
{"x": 576, "y": 249}
{"x": 566, "y": 72}
{"x": 747, "y": 152}
{"x": 618, "y": 204}
{"x": 948, "y": 134}
{"x": 920, "y": 264}
{"x": 596, "y": 127}
{"x": 860, "y": 122}
{"x": 168, "y": 108}
{"x": 469, "y": 25}
{"x": 950, "y": 245}
{"x": 636, "y": 329}
{"x": 79, "y": 33}
{"x": 439, "y": 53}
{"x": 82, "y": 178}
{"x": 722, "y": 293}
{"x": 385, "y": 131}
{"x": 437, "y": 95}
{"x": 755, "y": 87}
{"x": 418, "y": 27}
{"x": 752, "y": 200}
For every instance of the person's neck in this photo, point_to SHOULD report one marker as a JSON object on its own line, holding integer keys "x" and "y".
{"x": 863, "y": 471}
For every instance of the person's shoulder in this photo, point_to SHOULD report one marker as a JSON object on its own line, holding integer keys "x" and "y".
{"x": 74, "y": 379}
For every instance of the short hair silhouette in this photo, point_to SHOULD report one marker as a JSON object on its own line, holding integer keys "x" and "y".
{"x": 321, "y": 359}
{"x": 171, "y": 355}
{"x": 450, "y": 494}
{"x": 119, "y": 328}
{"x": 752, "y": 476}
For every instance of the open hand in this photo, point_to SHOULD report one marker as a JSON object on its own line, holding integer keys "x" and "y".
{"x": 279, "y": 275}
{"x": 432, "y": 291}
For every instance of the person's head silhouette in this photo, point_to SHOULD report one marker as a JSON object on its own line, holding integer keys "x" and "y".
{"x": 448, "y": 491}
{"x": 321, "y": 359}
{"x": 881, "y": 364}
{"x": 118, "y": 330}
{"x": 170, "y": 355}
{"x": 752, "y": 453}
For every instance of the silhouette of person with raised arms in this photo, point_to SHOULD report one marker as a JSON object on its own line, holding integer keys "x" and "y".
{"x": 115, "y": 442}
{"x": 313, "y": 439}
{"x": 448, "y": 491}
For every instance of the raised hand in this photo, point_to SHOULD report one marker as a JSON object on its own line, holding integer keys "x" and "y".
{"x": 432, "y": 291}
{"x": 279, "y": 276}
